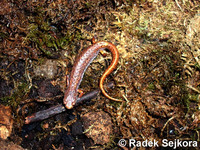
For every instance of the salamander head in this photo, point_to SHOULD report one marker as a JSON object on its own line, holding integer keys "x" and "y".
{"x": 69, "y": 101}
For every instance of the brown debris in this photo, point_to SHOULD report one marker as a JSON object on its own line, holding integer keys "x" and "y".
{"x": 98, "y": 126}
{"x": 138, "y": 123}
{"x": 160, "y": 105}
{"x": 5, "y": 7}
{"x": 9, "y": 146}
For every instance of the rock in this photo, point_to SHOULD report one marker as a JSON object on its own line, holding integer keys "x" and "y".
{"x": 48, "y": 69}
{"x": 97, "y": 126}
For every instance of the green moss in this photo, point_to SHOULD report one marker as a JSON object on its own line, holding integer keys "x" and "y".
{"x": 186, "y": 101}
{"x": 151, "y": 87}
{"x": 17, "y": 96}
{"x": 193, "y": 97}
{"x": 196, "y": 65}
{"x": 47, "y": 38}
{"x": 3, "y": 36}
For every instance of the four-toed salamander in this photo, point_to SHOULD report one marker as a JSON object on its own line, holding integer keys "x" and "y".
{"x": 81, "y": 64}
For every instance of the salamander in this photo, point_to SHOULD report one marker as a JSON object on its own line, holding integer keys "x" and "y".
{"x": 82, "y": 62}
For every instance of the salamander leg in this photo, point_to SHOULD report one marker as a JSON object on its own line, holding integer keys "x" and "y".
{"x": 103, "y": 53}
{"x": 67, "y": 80}
{"x": 94, "y": 39}
{"x": 80, "y": 93}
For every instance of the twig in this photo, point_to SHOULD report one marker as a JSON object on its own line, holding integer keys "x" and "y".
{"x": 166, "y": 124}
{"x": 178, "y": 5}
{"x": 44, "y": 114}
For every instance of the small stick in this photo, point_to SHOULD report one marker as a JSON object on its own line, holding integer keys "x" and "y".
{"x": 44, "y": 114}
